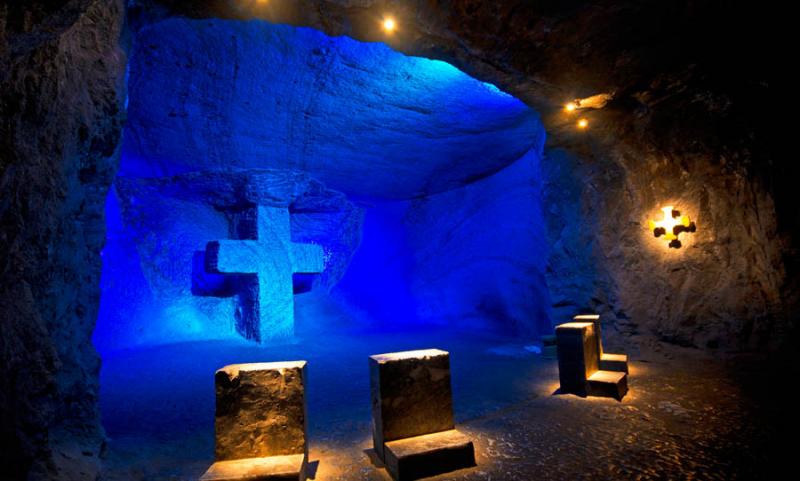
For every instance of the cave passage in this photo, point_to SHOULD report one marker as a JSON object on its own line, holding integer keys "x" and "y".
{"x": 419, "y": 185}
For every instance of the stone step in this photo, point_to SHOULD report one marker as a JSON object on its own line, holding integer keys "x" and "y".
{"x": 272, "y": 468}
{"x": 608, "y": 384}
{"x": 428, "y": 455}
{"x": 614, "y": 362}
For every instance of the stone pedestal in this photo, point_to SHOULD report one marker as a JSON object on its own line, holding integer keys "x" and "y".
{"x": 412, "y": 415}
{"x": 260, "y": 422}
{"x": 579, "y": 362}
{"x": 577, "y": 356}
{"x": 428, "y": 455}
{"x": 608, "y": 362}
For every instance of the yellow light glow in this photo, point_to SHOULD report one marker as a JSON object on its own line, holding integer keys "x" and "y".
{"x": 668, "y": 222}
{"x": 671, "y": 225}
{"x": 583, "y": 123}
{"x": 389, "y": 25}
{"x": 570, "y": 107}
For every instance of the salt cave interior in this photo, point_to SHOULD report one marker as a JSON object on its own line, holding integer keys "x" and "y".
{"x": 465, "y": 177}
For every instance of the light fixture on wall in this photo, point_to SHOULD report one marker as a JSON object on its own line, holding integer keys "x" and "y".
{"x": 672, "y": 226}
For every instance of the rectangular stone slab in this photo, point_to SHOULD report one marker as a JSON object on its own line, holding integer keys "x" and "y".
{"x": 608, "y": 362}
{"x": 429, "y": 455}
{"x": 594, "y": 319}
{"x": 614, "y": 362}
{"x": 608, "y": 384}
{"x": 274, "y": 468}
{"x": 261, "y": 410}
{"x": 411, "y": 395}
{"x": 577, "y": 356}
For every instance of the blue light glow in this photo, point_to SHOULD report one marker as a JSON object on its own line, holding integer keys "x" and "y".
{"x": 329, "y": 128}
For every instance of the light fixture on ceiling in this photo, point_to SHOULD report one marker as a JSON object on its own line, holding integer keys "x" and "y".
{"x": 389, "y": 25}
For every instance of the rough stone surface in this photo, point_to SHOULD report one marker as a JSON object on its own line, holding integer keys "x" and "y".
{"x": 360, "y": 117}
{"x": 273, "y": 468}
{"x": 261, "y": 410}
{"x": 614, "y": 362}
{"x": 607, "y": 361}
{"x": 429, "y": 455}
{"x": 689, "y": 116}
{"x": 577, "y": 355}
{"x": 472, "y": 258}
{"x": 687, "y": 126}
{"x": 411, "y": 395}
{"x": 608, "y": 384}
{"x": 61, "y": 97}
{"x": 154, "y": 259}
{"x": 479, "y": 253}
{"x": 265, "y": 303}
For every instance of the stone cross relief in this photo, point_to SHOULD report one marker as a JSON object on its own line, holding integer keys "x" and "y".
{"x": 263, "y": 259}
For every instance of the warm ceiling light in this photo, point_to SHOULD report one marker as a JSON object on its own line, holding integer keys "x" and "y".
{"x": 570, "y": 107}
{"x": 583, "y": 123}
{"x": 389, "y": 25}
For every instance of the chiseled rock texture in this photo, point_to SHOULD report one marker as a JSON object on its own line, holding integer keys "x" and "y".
{"x": 688, "y": 124}
{"x": 360, "y": 117}
{"x": 61, "y": 113}
{"x": 260, "y": 411}
{"x": 411, "y": 395}
{"x": 479, "y": 253}
{"x": 155, "y": 286}
{"x": 471, "y": 259}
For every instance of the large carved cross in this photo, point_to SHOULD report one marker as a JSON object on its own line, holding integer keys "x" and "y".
{"x": 265, "y": 266}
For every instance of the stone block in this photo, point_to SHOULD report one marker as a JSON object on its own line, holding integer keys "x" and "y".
{"x": 273, "y": 468}
{"x": 594, "y": 319}
{"x": 261, "y": 410}
{"x": 577, "y": 356}
{"x": 607, "y": 362}
{"x": 411, "y": 395}
{"x": 429, "y": 455}
{"x": 608, "y": 384}
{"x": 614, "y": 362}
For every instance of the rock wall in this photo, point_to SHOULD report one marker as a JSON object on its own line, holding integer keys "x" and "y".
{"x": 471, "y": 259}
{"x": 479, "y": 253}
{"x": 721, "y": 289}
{"x": 359, "y": 117}
{"x": 153, "y": 262}
{"x": 61, "y": 97}
{"x": 688, "y": 122}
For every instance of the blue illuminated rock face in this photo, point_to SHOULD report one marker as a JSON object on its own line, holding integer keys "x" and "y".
{"x": 264, "y": 264}
{"x": 225, "y": 116}
{"x": 154, "y": 284}
{"x": 217, "y": 95}
{"x": 472, "y": 259}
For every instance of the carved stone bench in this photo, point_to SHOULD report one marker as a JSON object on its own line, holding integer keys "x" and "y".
{"x": 608, "y": 362}
{"x": 412, "y": 415}
{"x": 579, "y": 363}
{"x": 260, "y": 423}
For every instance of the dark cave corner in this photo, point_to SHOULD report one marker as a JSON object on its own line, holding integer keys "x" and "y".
{"x": 452, "y": 197}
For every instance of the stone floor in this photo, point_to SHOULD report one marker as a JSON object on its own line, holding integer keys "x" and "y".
{"x": 685, "y": 417}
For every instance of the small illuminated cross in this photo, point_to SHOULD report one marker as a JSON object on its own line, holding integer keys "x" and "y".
{"x": 266, "y": 265}
{"x": 672, "y": 225}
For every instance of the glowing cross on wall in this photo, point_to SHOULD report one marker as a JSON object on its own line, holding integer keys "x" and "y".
{"x": 265, "y": 265}
{"x": 672, "y": 225}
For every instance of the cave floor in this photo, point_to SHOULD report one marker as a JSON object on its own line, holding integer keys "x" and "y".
{"x": 685, "y": 416}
